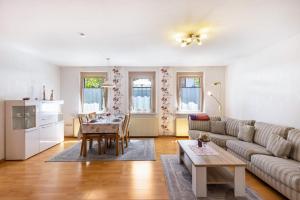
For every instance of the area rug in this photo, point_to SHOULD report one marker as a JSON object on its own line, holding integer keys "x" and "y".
{"x": 179, "y": 182}
{"x": 138, "y": 149}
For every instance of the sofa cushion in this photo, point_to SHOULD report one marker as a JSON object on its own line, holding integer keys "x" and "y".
{"x": 220, "y": 140}
{"x": 294, "y": 138}
{"x": 246, "y": 133}
{"x": 195, "y": 134}
{"x": 217, "y": 127}
{"x": 284, "y": 170}
{"x": 215, "y": 118}
{"x": 232, "y": 125}
{"x": 263, "y": 132}
{"x": 278, "y": 146}
{"x": 199, "y": 125}
{"x": 246, "y": 149}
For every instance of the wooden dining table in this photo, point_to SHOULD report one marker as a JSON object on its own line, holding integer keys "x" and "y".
{"x": 102, "y": 126}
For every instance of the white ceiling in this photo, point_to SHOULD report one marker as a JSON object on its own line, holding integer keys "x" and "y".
{"x": 140, "y": 32}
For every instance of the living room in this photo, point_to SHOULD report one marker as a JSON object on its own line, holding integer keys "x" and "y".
{"x": 149, "y": 99}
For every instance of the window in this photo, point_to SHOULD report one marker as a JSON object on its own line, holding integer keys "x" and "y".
{"x": 93, "y": 96}
{"x": 142, "y": 92}
{"x": 189, "y": 91}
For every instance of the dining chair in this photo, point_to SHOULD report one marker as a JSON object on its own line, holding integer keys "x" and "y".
{"x": 85, "y": 137}
{"x": 118, "y": 136}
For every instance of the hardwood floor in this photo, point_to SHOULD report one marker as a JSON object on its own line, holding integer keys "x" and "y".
{"x": 36, "y": 179}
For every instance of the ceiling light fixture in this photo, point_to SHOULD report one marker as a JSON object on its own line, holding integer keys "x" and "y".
{"x": 81, "y": 34}
{"x": 187, "y": 39}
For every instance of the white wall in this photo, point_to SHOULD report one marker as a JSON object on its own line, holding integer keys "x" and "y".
{"x": 265, "y": 86}
{"x": 70, "y": 88}
{"x": 23, "y": 75}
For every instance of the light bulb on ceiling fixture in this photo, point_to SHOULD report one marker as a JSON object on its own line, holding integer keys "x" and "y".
{"x": 81, "y": 34}
{"x": 203, "y": 36}
{"x": 199, "y": 42}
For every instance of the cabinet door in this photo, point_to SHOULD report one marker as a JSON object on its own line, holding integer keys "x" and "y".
{"x": 60, "y": 131}
{"x": 47, "y": 136}
{"x": 32, "y": 146}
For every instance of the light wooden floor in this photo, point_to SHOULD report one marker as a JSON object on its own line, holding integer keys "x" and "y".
{"x": 36, "y": 179}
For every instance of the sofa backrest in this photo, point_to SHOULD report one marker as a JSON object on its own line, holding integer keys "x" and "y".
{"x": 263, "y": 132}
{"x": 199, "y": 125}
{"x": 232, "y": 125}
{"x": 202, "y": 125}
{"x": 294, "y": 138}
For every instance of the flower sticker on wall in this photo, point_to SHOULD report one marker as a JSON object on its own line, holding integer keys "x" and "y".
{"x": 116, "y": 90}
{"x": 165, "y": 101}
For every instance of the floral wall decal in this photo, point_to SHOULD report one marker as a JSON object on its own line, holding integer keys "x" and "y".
{"x": 117, "y": 95}
{"x": 165, "y": 101}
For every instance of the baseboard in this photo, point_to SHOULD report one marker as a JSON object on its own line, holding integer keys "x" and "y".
{"x": 144, "y": 137}
{"x": 2, "y": 160}
{"x": 182, "y": 137}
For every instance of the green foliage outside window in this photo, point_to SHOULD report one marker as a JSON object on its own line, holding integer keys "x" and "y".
{"x": 197, "y": 82}
{"x": 93, "y": 82}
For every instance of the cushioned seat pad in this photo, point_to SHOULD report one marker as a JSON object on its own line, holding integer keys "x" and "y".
{"x": 220, "y": 140}
{"x": 216, "y": 138}
{"x": 194, "y": 134}
{"x": 246, "y": 149}
{"x": 283, "y": 170}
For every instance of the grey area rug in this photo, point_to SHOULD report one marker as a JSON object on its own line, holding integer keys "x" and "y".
{"x": 179, "y": 182}
{"x": 138, "y": 149}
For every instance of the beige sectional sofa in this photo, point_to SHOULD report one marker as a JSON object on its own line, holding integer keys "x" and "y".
{"x": 283, "y": 174}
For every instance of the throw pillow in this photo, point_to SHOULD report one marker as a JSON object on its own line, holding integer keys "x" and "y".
{"x": 200, "y": 117}
{"x": 278, "y": 146}
{"x": 217, "y": 127}
{"x": 246, "y": 133}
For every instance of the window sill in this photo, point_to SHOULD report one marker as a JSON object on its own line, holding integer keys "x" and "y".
{"x": 188, "y": 112}
{"x": 140, "y": 113}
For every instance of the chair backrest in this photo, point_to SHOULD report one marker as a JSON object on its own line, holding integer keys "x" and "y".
{"x": 124, "y": 124}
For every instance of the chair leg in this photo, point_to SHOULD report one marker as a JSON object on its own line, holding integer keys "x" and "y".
{"x": 99, "y": 145}
{"x": 91, "y": 144}
{"x": 128, "y": 136}
{"x": 122, "y": 144}
{"x": 81, "y": 147}
{"x": 105, "y": 144}
{"x": 110, "y": 142}
{"x": 117, "y": 145}
{"x": 84, "y": 147}
{"x": 126, "y": 141}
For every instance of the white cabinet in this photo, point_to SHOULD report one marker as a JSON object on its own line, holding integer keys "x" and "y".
{"x": 32, "y": 127}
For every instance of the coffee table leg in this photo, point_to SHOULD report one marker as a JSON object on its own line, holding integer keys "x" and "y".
{"x": 199, "y": 181}
{"x": 239, "y": 181}
{"x": 180, "y": 153}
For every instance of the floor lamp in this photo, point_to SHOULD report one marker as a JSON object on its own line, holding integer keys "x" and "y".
{"x": 209, "y": 93}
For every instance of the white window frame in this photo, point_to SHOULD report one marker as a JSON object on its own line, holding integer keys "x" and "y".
{"x": 190, "y": 75}
{"x": 146, "y": 75}
{"x": 84, "y": 75}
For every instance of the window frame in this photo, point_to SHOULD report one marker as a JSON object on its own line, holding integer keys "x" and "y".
{"x": 146, "y": 75}
{"x": 201, "y": 88}
{"x": 84, "y": 75}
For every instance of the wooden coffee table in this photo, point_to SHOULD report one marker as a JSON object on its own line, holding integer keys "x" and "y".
{"x": 212, "y": 169}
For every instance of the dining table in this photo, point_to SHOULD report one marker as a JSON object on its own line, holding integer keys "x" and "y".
{"x": 104, "y": 125}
